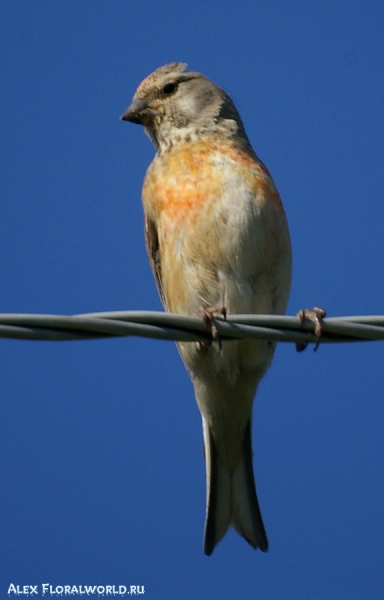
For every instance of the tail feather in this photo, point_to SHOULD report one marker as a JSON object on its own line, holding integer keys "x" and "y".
{"x": 218, "y": 515}
{"x": 231, "y": 500}
{"x": 246, "y": 515}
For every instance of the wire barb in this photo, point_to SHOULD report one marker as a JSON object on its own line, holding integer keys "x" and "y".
{"x": 168, "y": 326}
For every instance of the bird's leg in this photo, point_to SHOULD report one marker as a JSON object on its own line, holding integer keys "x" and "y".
{"x": 315, "y": 315}
{"x": 207, "y": 314}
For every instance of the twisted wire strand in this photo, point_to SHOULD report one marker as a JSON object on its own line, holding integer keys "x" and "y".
{"x": 168, "y": 326}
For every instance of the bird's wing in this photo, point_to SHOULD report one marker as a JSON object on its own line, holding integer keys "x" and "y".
{"x": 153, "y": 249}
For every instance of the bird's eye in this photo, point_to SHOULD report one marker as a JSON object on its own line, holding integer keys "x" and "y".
{"x": 169, "y": 88}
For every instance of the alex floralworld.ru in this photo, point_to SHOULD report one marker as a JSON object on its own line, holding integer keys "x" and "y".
{"x": 79, "y": 590}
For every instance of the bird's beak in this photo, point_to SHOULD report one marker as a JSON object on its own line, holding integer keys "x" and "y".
{"x": 137, "y": 112}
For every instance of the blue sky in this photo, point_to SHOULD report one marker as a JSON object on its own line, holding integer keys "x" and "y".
{"x": 102, "y": 466}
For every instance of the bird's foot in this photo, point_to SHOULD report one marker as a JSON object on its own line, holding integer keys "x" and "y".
{"x": 315, "y": 315}
{"x": 207, "y": 314}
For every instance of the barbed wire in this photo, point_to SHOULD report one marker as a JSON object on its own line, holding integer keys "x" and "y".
{"x": 169, "y": 326}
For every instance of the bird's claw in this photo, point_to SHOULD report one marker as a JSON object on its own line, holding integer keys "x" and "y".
{"x": 315, "y": 315}
{"x": 207, "y": 314}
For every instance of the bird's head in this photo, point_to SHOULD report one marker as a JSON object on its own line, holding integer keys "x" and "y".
{"x": 177, "y": 105}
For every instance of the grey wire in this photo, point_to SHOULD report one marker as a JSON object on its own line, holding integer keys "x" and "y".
{"x": 168, "y": 326}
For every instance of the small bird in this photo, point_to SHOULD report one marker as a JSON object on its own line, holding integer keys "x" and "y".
{"x": 218, "y": 241}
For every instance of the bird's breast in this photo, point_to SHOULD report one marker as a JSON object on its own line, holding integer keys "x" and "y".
{"x": 213, "y": 206}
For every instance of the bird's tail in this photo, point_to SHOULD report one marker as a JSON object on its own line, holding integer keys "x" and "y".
{"x": 231, "y": 499}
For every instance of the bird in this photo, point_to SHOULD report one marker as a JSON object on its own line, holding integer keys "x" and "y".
{"x": 218, "y": 243}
